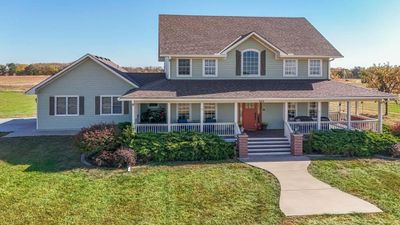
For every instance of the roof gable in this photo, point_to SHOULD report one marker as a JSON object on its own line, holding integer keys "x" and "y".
{"x": 208, "y": 35}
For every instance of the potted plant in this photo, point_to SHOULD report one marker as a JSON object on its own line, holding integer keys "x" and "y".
{"x": 264, "y": 126}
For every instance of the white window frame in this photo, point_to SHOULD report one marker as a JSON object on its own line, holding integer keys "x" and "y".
{"x": 284, "y": 68}
{"x": 320, "y": 69}
{"x": 177, "y": 68}
{"x": 216, "y": 111}
{"x": 112, "y": 106}
{"x": 295, "y": 108}
{"x": 259, "y": 63}
{"x": 153, "y": 107}
{"x": 190, "y": 111}
{"x": 66, "y": 105}
{"x": 316, "y": 109}
{"x": 216, "y": 68}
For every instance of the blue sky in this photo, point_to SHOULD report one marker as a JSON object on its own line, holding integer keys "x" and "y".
{"x": 364, "y": 31}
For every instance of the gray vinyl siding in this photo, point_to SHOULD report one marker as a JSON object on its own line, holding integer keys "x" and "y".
{"x": 302, "y": 109}
{"x": 272, "y": 113}
{"x": 88, "y": 79}
{"x": 227, "y": 66}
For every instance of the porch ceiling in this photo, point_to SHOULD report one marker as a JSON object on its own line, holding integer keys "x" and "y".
{"x": 274, "y": 90}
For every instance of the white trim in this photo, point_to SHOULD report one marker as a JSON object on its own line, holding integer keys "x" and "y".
{"x": 177, "y": 111}
{"x": 45, "y": 82}
{"x": 66, "y": 105}
{"x": 259, "y": 63}
{"x": 37, "y": 113}
{"x": 310, "y": 56}
{"x": 194, "y": 56}
{"x": 297, "y": 68}
{"x": 177, "y": 68}
{"x": 295, "y": 108}
{"x": 112, "y": 107}
{"x": 204, "y": 69}
{"x": 308, "y": 107}
{"x": 320, "y": 69}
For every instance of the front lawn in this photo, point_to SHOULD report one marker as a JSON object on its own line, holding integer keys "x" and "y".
{"x": 16, "y": 104}
{"x": 43, "y": 182}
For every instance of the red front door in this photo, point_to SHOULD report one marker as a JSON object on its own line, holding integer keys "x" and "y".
{"x": 249, "y": 116}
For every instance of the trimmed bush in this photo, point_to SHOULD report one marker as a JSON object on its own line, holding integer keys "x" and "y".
{"x": 396, "y": 129}
{"x": 104, "y": 159}
{"x": 177, "y": 146}
{"x": 395, "y": 151}
{"x": 351, "y": 143}
{"x": 100, "y": 137}
{"x": 124, "y": 157}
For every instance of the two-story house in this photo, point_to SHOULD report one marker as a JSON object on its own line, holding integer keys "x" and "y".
{"x": 267, "y": 76}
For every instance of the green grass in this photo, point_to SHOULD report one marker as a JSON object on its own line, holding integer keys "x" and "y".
{"x": 43, "y": 182}
{"x": 16, "y": 104}
{"x": 377, "y": 181}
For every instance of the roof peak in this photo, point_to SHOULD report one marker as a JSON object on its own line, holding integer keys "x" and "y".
{"x": 222, "y": 16}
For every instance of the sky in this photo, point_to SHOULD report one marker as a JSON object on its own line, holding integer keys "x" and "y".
{"x": 31, "y": 31}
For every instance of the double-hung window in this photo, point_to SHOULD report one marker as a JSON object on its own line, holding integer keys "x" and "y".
{"x": 184, "y": 67}
{"x": 292, "y": 111}
{"x": 110, "y": 105}
{"x": 250, "y": 63}
{"x": 210, "y": 67}
{"x": 290, "y": 67}
{"x": 183, "y": 111}
{"x": 67, "y": 105}
{"x": 210, "y": 112}
{"x": 314, "y": 67}
{"x": 313, "y": 109}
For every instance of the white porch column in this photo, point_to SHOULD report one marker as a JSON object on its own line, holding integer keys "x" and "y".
{"x": 236, "y": 112}
{"x": 133, "y": 116}
{"x": 201, "y": 116}
{"x": 285, "y": 111}
{"x": 356, "y": 108}
{"x": 380, "y": 117}
{"x": 169, "y": 116}
{"x": 319, "y": 116}
{"x": 348, "y": 115}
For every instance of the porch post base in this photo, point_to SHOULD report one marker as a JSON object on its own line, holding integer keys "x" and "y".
{"x": 242, "y": 145}
{"x": 297, "y": 144}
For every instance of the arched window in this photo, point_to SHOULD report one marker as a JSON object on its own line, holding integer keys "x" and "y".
{"x": 251, "y": 62}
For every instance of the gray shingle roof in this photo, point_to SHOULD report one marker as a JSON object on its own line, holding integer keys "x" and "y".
{"x": 188, "y": 35}
{"x": 257, "y": 89}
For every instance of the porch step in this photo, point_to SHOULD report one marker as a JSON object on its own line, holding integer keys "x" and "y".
{"x": 258, "y": 146}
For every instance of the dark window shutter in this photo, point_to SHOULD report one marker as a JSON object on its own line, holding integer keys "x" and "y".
{"x": 263, "y": 63}
{"x": 51, "y": 106}
{"x": 97, "y": 105}
{"x": 126, "y": 107}
{"x": 238, "y": 63}
{"x": 81, "y": 105}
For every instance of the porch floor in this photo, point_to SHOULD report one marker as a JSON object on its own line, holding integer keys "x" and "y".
{"x": 266, "y": 133}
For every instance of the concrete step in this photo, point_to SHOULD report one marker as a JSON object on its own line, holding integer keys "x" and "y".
{"x": 270, "y": 150}
{"x": 267, "y": 139}
{"x": 268, "y": 146}
{"x": 268, "y": 142}
{"x": 268, "y": 153}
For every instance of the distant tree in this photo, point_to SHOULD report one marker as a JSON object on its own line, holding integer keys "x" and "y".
{"x": 356, "y": 71}
{"x": 12, "y": 68}
{"x": 3, "y": 69}
{"x": 20, "y": 69}
{"x": 31, "y": 70}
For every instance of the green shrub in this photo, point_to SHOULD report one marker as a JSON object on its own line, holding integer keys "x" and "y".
{"x": 99, "y": 137}
{"x": 177, "y": 146}
{"x": 351, "y": 143}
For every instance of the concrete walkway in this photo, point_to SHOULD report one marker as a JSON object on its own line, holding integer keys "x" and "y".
{"x": 22, "y": 127}
{"x": 302, "y": 194}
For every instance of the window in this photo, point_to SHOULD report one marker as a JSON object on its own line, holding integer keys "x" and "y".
{"x": 314, "y": 67}
{"x": 210, "y": 67}
{"x": 313, "y": 109}
{"x": 290, "y": 67}
{"x": 183, "y": 111}
{"x": 250, "y": 63}
{"x": 153, "y": 106}
{"x": 184, "y": 67}
{"x": 110, "y": 105}
{"x": 67, "y": 105}
{"x": 292, "y": 111}
{"x": 210, "y": 112}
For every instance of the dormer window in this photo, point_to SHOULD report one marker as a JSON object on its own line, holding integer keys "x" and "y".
{"x": 250, "y": 63}
{"x": 184, "y": 67}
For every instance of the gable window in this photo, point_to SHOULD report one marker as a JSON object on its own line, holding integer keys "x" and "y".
{"x": 313, "y": 109}
{"x": 183, "y": 111}
{"x": 290, "y": 67}
{"x": 210, "y": 67}
{"x": 251, "y": 63}
{"x": 315, "y": 67}
{"x": 184, "y": 67}
{"x": 292, "y": 111}
{"x": 110, "y": 105}
{"x": 67, "y": 105}
{"x": 210, "y": 112}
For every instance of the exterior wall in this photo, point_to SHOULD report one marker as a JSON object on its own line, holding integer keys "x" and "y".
{"x": 89, "y": 80}
{"x": 272, "y": 113}
{"x": 224, "y": 112}
{"x": 227, "y": 66}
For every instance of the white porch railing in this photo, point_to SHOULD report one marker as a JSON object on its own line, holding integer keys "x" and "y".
{"x": 221, "y": 129}
{"x": 288, "y": 131}
{"x": 308, "y": 127}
